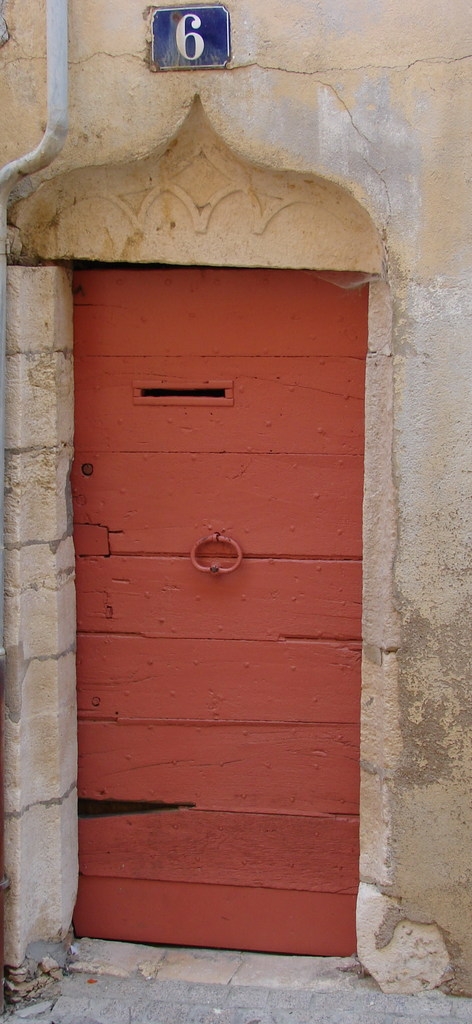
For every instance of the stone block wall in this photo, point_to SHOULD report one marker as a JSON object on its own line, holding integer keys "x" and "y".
{"x": 41, "y": 825}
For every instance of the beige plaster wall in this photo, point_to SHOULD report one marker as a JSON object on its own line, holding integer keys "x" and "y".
{"x": 364, "y": 109}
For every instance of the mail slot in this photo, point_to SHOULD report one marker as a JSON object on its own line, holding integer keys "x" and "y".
{"x": 177, "y": 392}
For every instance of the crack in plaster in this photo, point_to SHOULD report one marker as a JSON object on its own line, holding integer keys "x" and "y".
{"x": 327, "y": 85}
{"x": 61, "y": 578}
{"x": 72, "y": 63}
{"x": 250, "y": 64}
{"x": 54, "y": 801}
{"x": 22, "y": 60}
{"x": 53, "y": 449}
{"x": 52, "y": 657}
{"x": 349, "y": 70}
{"x": 53, "y": 545}
{"x": 14, "y": 701}
{"x": 104, "y": 53}
{"x": 4, "y": 33}
{"x": 372, "y": 769}
{"x": 366, "y": 139}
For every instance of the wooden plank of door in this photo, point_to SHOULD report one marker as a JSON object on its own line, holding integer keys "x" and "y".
{"x": 202, "y": 310}
{"x": 262, "y": 600}
{"x": 139, "y": 677}
{"x": 315, "y": 854}
{"x": 293, "y": 769}
{"x": 227, "y": 917}
{"x": 272, "y": 399}
{"x": 275, "y": 504}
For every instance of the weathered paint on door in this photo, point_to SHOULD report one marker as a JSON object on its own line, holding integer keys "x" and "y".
{"x": 219, "y": 712}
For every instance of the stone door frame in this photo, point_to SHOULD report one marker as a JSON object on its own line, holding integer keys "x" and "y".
{"x": 41, "y": 717}
{"x": 249, "y": 217}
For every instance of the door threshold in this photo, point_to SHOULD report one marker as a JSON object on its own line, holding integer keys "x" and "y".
{"x": 97, "y": 957}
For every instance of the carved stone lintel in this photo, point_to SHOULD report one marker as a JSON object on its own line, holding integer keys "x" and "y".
{"x": 197, "y": 203}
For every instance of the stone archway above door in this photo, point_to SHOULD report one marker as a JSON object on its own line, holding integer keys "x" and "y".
{"x": 197, "y": 202}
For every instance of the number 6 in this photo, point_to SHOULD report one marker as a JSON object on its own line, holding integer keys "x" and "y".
{"x": 182, "y": 37}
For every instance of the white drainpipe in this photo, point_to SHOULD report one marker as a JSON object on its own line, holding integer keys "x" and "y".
{"x": 49, "y": 147}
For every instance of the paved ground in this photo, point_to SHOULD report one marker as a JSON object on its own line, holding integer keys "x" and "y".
{"x": 120, "y": 983}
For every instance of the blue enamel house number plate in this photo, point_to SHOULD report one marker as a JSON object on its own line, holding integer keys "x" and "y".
{"x": 190, "y": 37}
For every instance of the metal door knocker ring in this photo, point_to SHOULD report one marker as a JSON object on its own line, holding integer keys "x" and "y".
{"x": 215, "y": 567}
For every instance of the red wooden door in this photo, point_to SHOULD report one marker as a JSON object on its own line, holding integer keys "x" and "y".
{"x": 218, "y": 725}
